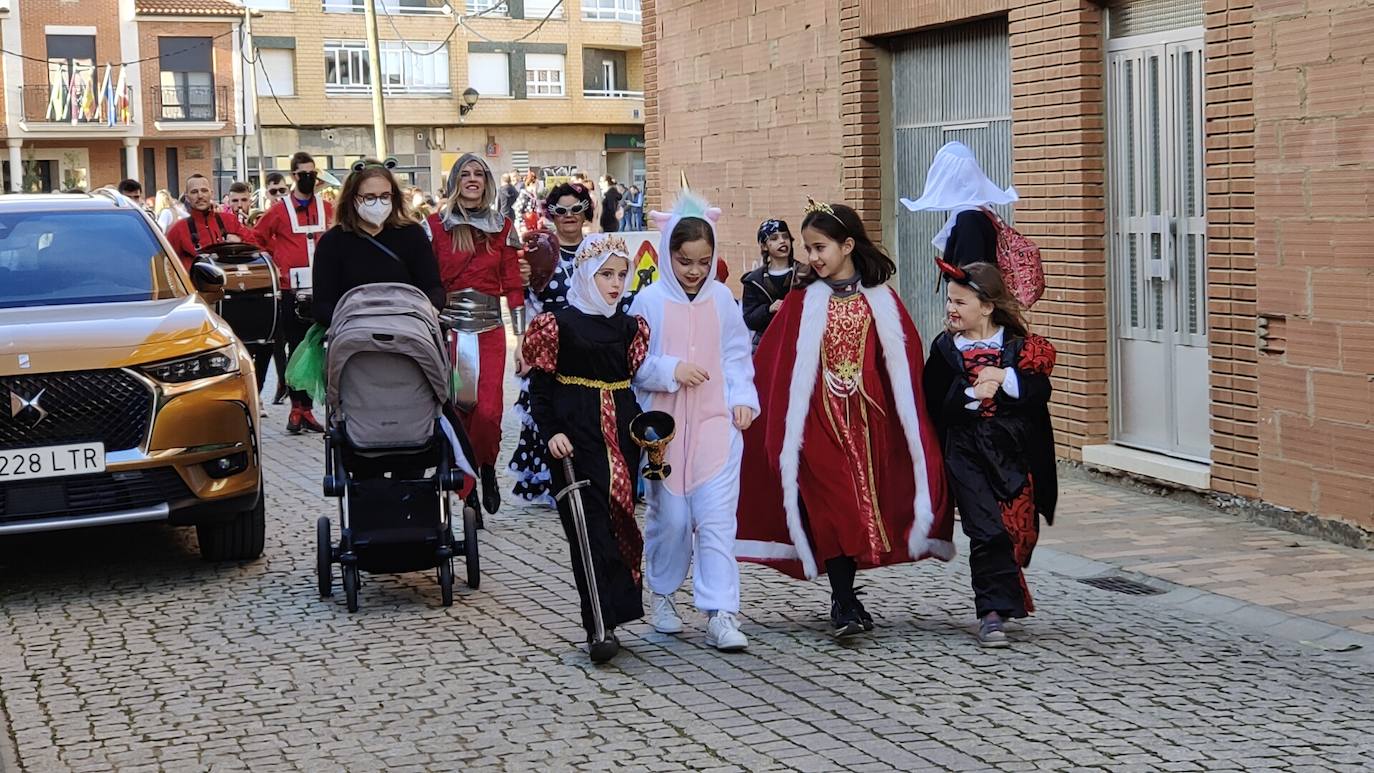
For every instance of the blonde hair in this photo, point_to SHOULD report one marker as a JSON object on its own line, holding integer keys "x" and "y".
{"x": 164, "y": 202}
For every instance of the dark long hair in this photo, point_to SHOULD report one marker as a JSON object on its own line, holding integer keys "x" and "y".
{"x": 691, "y": 229}
{"x": 346, "y": 211}
{"x": 987, "y": 283}
{"x": 839, "y": 222}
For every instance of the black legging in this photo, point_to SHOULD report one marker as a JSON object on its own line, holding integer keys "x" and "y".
{"x": 292, "y": 329}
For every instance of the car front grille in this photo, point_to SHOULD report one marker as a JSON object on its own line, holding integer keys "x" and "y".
{"x": 91, "y": 494}
{"x": 109, "y": 406}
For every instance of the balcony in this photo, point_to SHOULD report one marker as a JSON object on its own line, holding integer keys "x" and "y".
{"x": 611, "y": 94}
{"x": 395, "y": 7}
{"x": 612, "y": 10}
{"x": 189, "y": 104}
{"x": 42, "y": 111}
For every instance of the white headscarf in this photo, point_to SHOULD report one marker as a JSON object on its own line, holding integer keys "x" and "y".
{"x": 592, "y": 254}
{"x": 954, "y": 184}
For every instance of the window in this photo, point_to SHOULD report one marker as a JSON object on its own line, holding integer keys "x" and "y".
{"x": 604, "y": 74}
{"x": 538, "y": 9}
{"x": 544, "y": 75}
{"x": 268, "y": 5}
{"x": 70, "y": 57}
{"x": 404, "y": 71}
{"x": 187, "y": 79}
{"x": 276, "y": 72}
{"x": 610, "y": 10}
{"x": 487, "y": 8}
{"x": 489, "y": 74}
{"x": 389, "y": 7}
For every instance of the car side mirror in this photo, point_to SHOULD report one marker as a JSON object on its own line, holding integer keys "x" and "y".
{"x": 209, "y": 281}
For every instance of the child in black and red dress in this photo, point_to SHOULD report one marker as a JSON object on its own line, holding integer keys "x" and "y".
{"x": 987, "y": 384}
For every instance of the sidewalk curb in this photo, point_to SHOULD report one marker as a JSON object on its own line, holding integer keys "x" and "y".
{"x": 1311, "y": 634}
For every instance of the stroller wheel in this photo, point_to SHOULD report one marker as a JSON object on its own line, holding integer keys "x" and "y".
{"x": 446, "y": 581}
{"x": 474, "y": 564}
{"x": 324, "y": 557}
{"x": 350, "y": 584}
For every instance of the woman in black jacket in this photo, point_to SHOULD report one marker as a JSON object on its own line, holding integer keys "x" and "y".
{"x": 374, "y": 239}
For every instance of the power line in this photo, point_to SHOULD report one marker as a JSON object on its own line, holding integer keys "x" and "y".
{"x": 255, "y": 60}
{"x": 158, "y": 55}
{"x": 554, "y": 8}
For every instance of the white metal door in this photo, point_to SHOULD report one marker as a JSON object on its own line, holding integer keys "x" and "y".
{"x": 1157, "y": 233}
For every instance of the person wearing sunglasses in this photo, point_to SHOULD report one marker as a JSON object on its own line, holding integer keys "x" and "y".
{"x": 290, "y": 232}
{"x": 374, "y": 239}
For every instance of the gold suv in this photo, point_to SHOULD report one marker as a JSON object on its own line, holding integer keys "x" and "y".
{"x": 123, "y": 396}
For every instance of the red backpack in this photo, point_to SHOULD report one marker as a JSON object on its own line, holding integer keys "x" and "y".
{"x": 1019, "y": 259}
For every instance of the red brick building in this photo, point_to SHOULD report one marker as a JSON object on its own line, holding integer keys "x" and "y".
{"x": 1198, "y": 174}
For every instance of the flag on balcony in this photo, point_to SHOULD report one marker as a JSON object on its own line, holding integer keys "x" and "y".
{"x": 105, "y": 106}
{"x": 88, "y": 94}
{"x": 57, "y": 97}
{"x": 74, "y": 96}
{"x": 121, "y": 100}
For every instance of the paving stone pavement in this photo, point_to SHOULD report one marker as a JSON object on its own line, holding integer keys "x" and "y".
{"x": 121, "y": 650}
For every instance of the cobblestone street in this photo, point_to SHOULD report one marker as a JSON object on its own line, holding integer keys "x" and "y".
{"x": 121, "y": 650}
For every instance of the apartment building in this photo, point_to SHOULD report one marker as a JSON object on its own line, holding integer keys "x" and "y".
{"x": 1197, "y": 173}
{"x": 98, "y": 90}
{"x": 545, "y": 84}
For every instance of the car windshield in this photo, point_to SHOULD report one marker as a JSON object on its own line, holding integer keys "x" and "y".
{"x": 51, "y": 258}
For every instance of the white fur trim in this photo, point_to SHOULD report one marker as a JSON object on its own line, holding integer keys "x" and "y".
{"x": 805, "y": 369}
{"x": 888, "y": 324}
{"x": 765, "y": 551}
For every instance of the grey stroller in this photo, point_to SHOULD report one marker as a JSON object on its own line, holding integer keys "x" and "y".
{"x": 393, "y": 451}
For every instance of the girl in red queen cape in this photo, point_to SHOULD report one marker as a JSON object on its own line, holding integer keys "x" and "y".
{"x": 844, "y": 464}
{"x": 988, "y": 387}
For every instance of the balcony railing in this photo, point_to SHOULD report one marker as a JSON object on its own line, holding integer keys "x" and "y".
{"x": 611, "y": 94}
{"x": 44, "y": 104}
{"x": 612, "y": 10}
{"x": 391, "y": 7}
{"x": 190, "y": 103}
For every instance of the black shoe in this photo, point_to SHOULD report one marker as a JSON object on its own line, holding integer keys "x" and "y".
{"x": 280, "y": 397}
{"x": 844, "y": 619}
{"x": 491, "y": 493}
{"x": 476, "y": 508}
{"x": 603, "y": 651}
{"x": 865, "y": 619}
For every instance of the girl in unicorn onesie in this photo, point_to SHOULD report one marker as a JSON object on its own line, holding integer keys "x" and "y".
{"x": 699, "y": 370}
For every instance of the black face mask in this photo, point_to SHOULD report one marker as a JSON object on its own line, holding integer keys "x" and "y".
{"x": 305, "y": 182}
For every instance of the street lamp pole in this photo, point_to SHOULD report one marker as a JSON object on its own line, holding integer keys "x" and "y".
{"x": 374, "y": 63}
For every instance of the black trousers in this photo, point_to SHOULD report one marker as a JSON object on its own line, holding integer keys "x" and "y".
{"x": 262, "y": 357}
{"x": 291, "y": 329}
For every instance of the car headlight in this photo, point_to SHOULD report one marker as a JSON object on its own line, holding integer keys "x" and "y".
{"x": 206, "y": 365}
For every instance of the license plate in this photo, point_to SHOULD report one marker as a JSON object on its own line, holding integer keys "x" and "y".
{"x": 51, "y": 461}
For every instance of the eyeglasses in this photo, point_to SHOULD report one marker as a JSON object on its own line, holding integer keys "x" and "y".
{"x": 562, "y": 211}
{"x": 276, "y": 191}
{"x": 373, "y": 198}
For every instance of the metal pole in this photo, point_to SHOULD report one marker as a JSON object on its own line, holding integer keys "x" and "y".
{"x": 374, "y": 59}
{"x": 251, "y": 87}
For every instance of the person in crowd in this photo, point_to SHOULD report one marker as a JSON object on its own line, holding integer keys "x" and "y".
{"x": 610, "y": 206}
{"x": 766, "y": 286}
{"x": 238, "y": 200}
{"x": 290, "y": 232}
{"x": 276, "y": 189}
{"x": 987, "y": 383}
{"x": 845, "y": 469}
{"x": 165, "y": 210}
{"x": 479, "y": 261}
{"x": 505, "y": 200}
{"x": 698, "y": 371}
{"x": 634, "y": 210}
{"x": 205, "y": 226}
{"x": 955, "y": 184}
{"x": 569, "y": 207}
{"x": 582, "y": 358}
{"x": 374, "y": 239}
{"x": 131, "y": 189}
{"x": 527, "y": 203}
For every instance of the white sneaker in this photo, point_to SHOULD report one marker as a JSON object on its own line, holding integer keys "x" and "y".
{"x": 722, "y": 632}
{"x": 663, "y": 614}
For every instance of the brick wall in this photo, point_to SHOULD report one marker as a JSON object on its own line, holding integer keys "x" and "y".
{"x": 224, "y": 63}
{"x": 1314, "y": 201}
{"x": 743, "y": 102}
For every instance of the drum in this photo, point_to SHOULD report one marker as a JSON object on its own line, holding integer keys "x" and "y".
{"x": 251, "y": 290}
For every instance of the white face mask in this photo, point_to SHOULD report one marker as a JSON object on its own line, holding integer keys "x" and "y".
{"x": 376, "y": 212}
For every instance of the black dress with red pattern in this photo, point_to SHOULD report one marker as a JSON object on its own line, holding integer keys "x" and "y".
{"x": 999, "y": 454}
{"x": 581, "y": 366}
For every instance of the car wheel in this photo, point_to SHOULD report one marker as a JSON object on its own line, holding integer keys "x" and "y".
{"x": 238, "y": 539}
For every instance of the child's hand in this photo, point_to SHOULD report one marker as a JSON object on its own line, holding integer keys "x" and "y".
{"x": 995, "y": 375}
{"x": 690, "y": 375}
{"x": 522, "y": 369}
{"x": 773, "y": 309}
{"x": 524, "y": 267}
{"x": 560, "y": 447}
{"x": 744, "y": 416}
{"x": 986, "y": 390}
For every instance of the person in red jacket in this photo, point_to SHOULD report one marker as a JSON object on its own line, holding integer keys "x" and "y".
{"x": 289, "y": 232}
{"x": 206, "y": 225}
{"x": 479, "y": 263}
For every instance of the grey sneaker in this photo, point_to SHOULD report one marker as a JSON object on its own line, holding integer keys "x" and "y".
{"x": 991, "y": 633}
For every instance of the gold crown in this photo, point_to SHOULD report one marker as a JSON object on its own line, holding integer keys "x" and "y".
{"x": 813, "y": 206}
{"x": 609, "y": 245}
